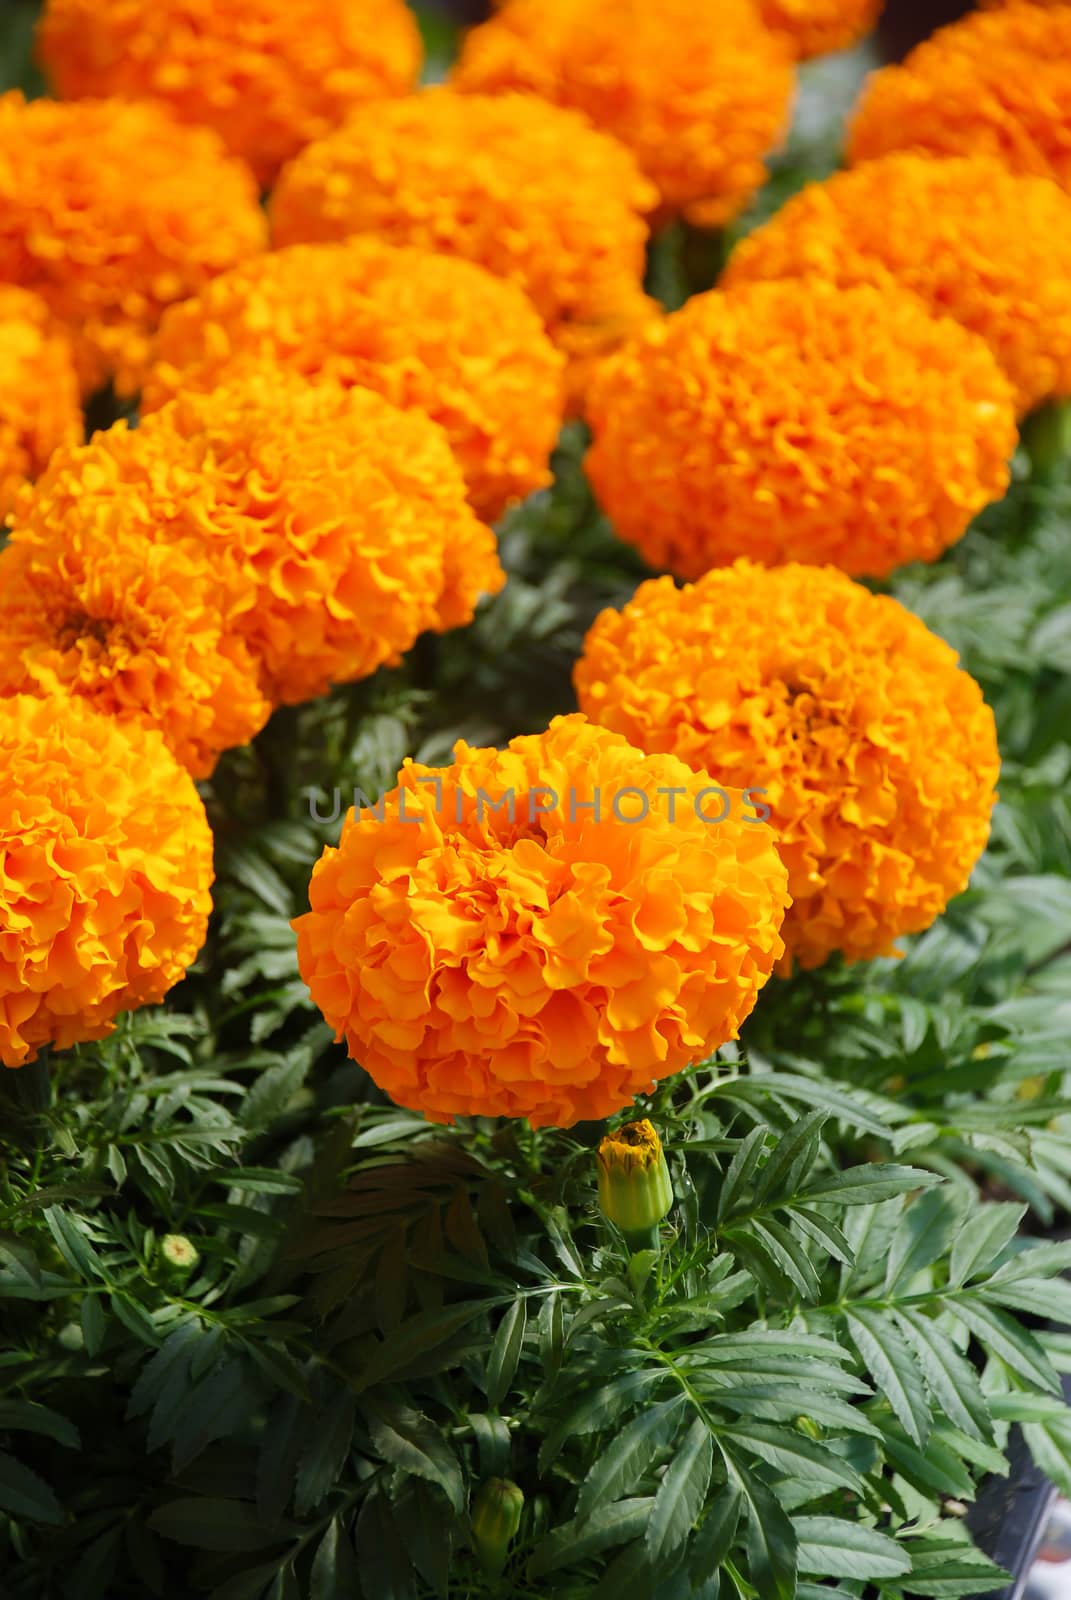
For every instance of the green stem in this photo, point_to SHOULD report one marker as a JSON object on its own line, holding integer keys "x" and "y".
{"x": 1046, "y": 437}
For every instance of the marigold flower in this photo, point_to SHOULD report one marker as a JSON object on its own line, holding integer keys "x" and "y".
{"x": 524, "y": 188}
{"x": 103, "y": 595}
{"x": 699, "y": 106}
{"x": 790, "y": 421}
{"x": 1002, "y": 269}
{"x": 817, "y": 27}
{"x": 876, "y": 752}
{"x": 105, "y": 872}
{"x": 39, "y": 402}
{"x": 543, "y": 931}
{"x": 428, "y": 332}
{"x": 496, "y": 1517}
{"x": 112, "y": 211}
{"x": 267, "y": 75}
{"x": 996, "y": 83}
{"x": 269, "y": 539}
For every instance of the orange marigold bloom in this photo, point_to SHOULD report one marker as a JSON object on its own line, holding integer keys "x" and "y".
{"x": 112, "y": 211}
{"x": 40, "y": 407}
{"x": 877, "y": 753}
{"x": 428, "y": 332}
{"x": 996, "y": 83}
{"x": 789, "y": 421}
{"x": 816, "y": 27}
{"x": 105, "y": 873}
{"x": 268, "y": 75}
{"x": 542, "y": 931}
{"x": 1002, "y": 269}
{"x": 699, "y": 104}
{"x": 107, "y": 592}
{"x": 524, "y": 188}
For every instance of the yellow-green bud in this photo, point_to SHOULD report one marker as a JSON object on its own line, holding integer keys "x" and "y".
{"x": 179, "y": 1253}
{"x": 496, "y": 1516}
{"x": 635, "y": 1191}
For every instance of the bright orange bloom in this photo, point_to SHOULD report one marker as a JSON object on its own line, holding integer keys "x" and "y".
{"x": 268, "y": 75}
{"x": 428, "y": 332}
{"x": 105, "y": 873}
{"x": 526, "y": 189}
{"x": 1001, "y": 269}
{"x": 797, "y": 421}
{"x": 877, "y": 753}
{"x": 816, "y": 27}
{"x": 40, "y": 407}
{"x": 102, "y": 597}
{"x": 543, "y": 931}
{"x": 996, "y": 83}
{"x": 112, "y": 211}
{"x": 699, "y": 103}
{"x": 266, "y": 539}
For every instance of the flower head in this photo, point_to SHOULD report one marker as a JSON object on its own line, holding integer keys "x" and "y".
{"x": 90, "y": 604}
{"x": 789, "y": 421}
{"x": 699, "y": 106}
{"x": 339, "y": 524}
{"x": 817, "y": 27}
{"x": 1002, "y": 269}
{"x": 112, "y": 211}
{"x": 428, "y": 332}
{"x": 267, "y": 75}
{"x": 543, "y": 931}
{"x": 106, "y": 869}
{"x": 876, "y": 753}
{"x": 526, "y": 189}
{"x": 996, "y": 83}
{"x": 39, "y": 402}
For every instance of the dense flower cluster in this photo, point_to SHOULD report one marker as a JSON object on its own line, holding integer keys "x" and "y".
{"x": 105, "y": 872}
{"x": 537, "y": 959}
{"x": 816, "y": 27}
{"x": 239, "y": 548}
{"x": 997, "y": 83}
{"x": 1001, "y": 269}
{"x": 700, "y": 106}
{"x": 40, "y": 407}
{"x": 527, "y": 189}
{"x": 798, "y": 421}
{"x": 428, "y": 332}
{"x": 112, "y": 211}
{"x": 877, "y": 753}
{"x": 268, "y": 75}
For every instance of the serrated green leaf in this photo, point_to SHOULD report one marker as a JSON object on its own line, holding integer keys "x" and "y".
{"x": 985, "y": 1233}
{"x": 576, "y": 1541}
{"x": 628, "y": 1456}
{"x": 741, "y": 1170}
{"x": 949, "y": 1376}
{"x": 680, "y": 1495}
{"x": 408, "y": 1440}
{"x": 1000, "y": 1333}
{"x": 505, "y": 1352}
{"x": 791, "y": 1158}
{"x": 715, "y": 1538}
{"x": 925, "y": 1232}
{"x": 211, "y": 1524}
{"x": 895, "y": 1370}
{"x": 793, "y": 1455}
{"x": 335, "y": 1574}
{"x": 866, "y": 1186}
{"x": 24, "y": 1495}
{"x": 834, "y": 1547}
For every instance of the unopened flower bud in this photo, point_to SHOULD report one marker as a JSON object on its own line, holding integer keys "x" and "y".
{"x": 635, "y": 1191}
{"x": 496, "y": 1516}
{"x": 179, "y": 1253}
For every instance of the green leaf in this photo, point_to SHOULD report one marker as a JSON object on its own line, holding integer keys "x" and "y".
{"x": 923, "y": 1235}
{"x": 506, "y": 1352}
{"x": 1050, "y": 1446}
{"x": 385, "y": 1568}
{"x": 771, "y": 1538}
{"x": 335, "y": 1574}
{"x": 834, "y": 1547}
{"x": 715, "y": 1538}
{"x": 597, "y": 1409}
{"x": 795, "y": 1456}
{"x": 626, "y": 1457}
{"x": 824, "y": 1233}
{"x": 26, "y": 1416}
{"x": 575, "y": 1541}
{"x": 493, "y": 1442}
{"x": 951, "y": 1569}
{"x": 325, "y": 1456}
{"x": 208, "y": 1524}
{"x": 855, "y": 1110}
{"x": 788, "y": 1256}
{"x": 741, "y": 1170}
{"x": 94, "y": 1323}
{"x": 408, "y": 1440}
{"x": 24, "y": 1494}
{"x": 988, "y": 1231}
{"x": 416, "y": 1337}
{"x": 680, "y": 1495}
{"x": 865, "y": 1186}
{"x": 792, "y": 1158}
{"x": 949, "y": 1376}
{"x": 1001, "y": 1334}
{"x": 894, "y": 1368}
{"x": 72, "y": 1244}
